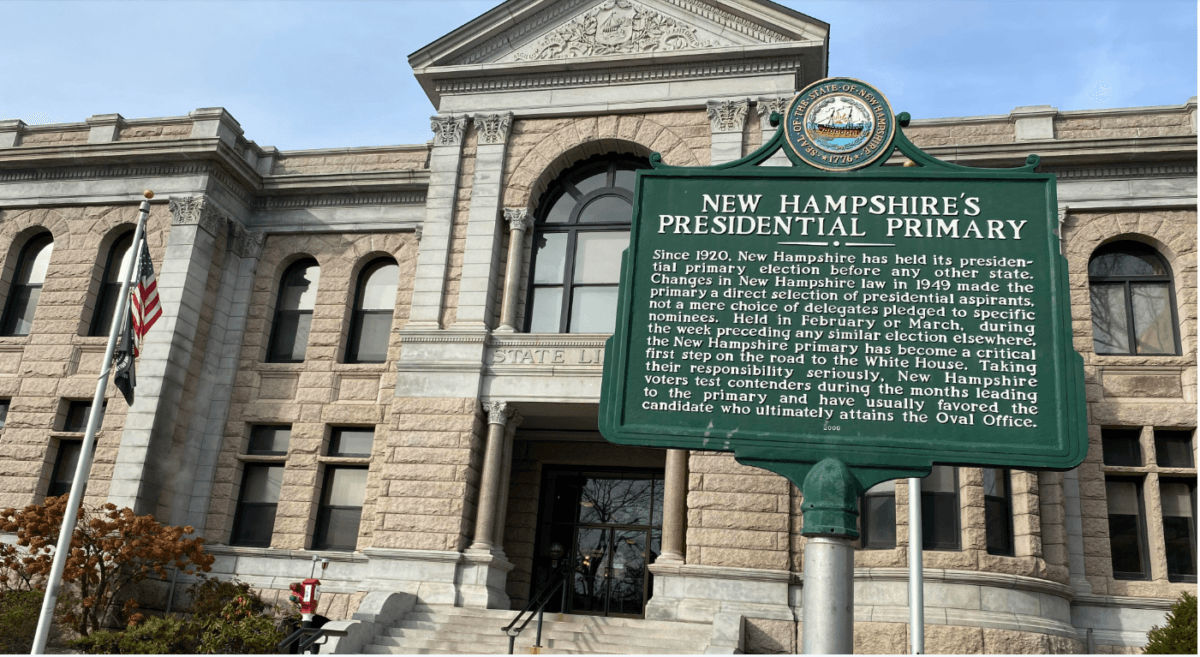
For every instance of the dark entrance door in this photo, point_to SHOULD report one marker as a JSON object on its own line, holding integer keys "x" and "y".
{"x": 609, "y": 526}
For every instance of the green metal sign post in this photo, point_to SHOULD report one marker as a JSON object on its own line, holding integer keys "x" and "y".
{"x": 846, "y": 321}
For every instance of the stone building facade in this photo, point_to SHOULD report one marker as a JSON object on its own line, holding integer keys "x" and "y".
{"x": 425, "y": 457}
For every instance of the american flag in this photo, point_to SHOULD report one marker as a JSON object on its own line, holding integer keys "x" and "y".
{"x": 144, "y": 306}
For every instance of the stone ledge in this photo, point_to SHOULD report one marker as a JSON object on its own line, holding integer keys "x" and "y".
{"x": 994, "y": 580}
{"x": 1123, "y": 602}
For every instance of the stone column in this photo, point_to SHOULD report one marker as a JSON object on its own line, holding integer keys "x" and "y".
{"x": 728, "y": 120}
{"x": 138, "y": 480}
{"x": 765, "y": 107}
{"x": 519, "y": 221}
{"x": 1076, "y": 563}
{"x": 505, "y": 481}
{"x": 476, "y": 293}
{"x": 444, "y": 160}
{"x": 675, "y": 490}
{"x": 489, "y": 484}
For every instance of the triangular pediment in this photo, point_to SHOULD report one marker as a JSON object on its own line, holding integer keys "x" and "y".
{"x": 555, "y": 30}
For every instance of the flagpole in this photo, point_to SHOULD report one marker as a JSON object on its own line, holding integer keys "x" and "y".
{"x": 84, "y": 467}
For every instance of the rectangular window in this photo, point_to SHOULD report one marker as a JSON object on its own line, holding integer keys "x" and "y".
{"x": 269, "y": 440}
{"x": 878, "y": 520}
{"x": 255, "y": 519}
{"x": 4, "y": 404}
{"x": 1122, "y": 447}
{"x": 1127, "y": 528}
{"x": 939, "y": 509}
{"x": 1179, "y": 527}
{"x": 341, "y": 508}
{"x": 64, "y": 468}
{"x": 77, "y": 416}
{"x": 997, "y": 501}
{"x": 351, "y": 441}
{"x": 1173, "y": 448}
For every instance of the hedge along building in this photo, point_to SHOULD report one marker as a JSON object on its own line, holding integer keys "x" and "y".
{"x": 391, "y": 356}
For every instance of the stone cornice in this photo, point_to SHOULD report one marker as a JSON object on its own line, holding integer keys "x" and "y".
{"x": 716, "y": 63}
{"x": 1064, "y": 152}
{"x": 1131, "y": 170}
{"x": 276, "y": 553}
{"x": 119, "y": 153}
{"x": 1125, "y": 602}
{"x": 404, "y": 180}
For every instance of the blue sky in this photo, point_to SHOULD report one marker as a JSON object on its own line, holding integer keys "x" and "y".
{"x": 318, "y": 74}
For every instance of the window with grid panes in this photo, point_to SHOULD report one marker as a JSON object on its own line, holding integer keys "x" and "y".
{"x": 27, "y": 285}
{"x": 293, "y": 312}
{"x": 939, "y": 509}
{"x": 1132, "y": 301}
{"x": 110, "y": 286}
{"x": 998, "y": 517}
{"x": 877, "y": 522}
{"x": 581, "y": 229}
{"x": 1178, "y": 498}
{"x": 340, "y": 510}
{"x": 1127, "y": 527}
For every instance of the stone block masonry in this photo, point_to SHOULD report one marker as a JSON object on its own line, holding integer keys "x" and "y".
{"x": 57, "y": 361}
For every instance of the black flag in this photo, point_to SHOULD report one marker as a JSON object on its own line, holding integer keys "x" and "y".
{"x": 125, "y": 378}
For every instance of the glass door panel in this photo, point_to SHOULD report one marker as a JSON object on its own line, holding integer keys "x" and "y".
{"x": 590, "y": 579}
{"x": 627, "y": 584}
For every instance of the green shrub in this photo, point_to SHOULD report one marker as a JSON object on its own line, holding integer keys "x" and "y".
{"x": 19, "y": 611}
{"x": 158, "y": 635}
{"x": 1178, "y": 636}
{"x": 210, "y": 596}
{"x": 240, "y": 629}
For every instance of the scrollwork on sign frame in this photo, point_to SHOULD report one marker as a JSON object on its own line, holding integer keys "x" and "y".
{"x": 518, "y": 219}
{"x": 728, "y": 115}
{"x": 447, "y": 130}
{"x": 616, "y": 27}
{"x": 497, "y": 412}
{"x": 766, "y": 106}
{"x": 197, "y": 211}
{"x": 493, "y": 128}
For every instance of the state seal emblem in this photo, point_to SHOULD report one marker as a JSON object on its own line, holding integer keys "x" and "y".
{"x": 839, "y": 124}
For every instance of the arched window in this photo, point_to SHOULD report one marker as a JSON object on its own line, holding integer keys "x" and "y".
{"x": 582, "y": 228}
{"x": 27, "y": 285}
{"x": 293, "y": 312}
{"x": 110, "y": 287}
{"x": 1133, "y": 301}
{"x": 374, "y": 304}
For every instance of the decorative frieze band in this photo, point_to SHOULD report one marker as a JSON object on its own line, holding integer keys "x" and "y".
{"x": 197, "y": 211}
{"x": 497, "y": 412}
{"x": 728, "y": 115}
{"x": 767, "y": 106}
{"x": 447, "y": 130}
{"x": 493, "y": 128}
{"x": 518, "y": 219}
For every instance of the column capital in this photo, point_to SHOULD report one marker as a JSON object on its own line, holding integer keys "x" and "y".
{"x": 766, "y": 106}
{"x": 197, "y": 211}
{"x": 245, "y": 243}
{"x": 728, "y": 115}
{"x": 518, "y": 219}
{"x": 497, "y": 412}
{"x": 448, "y": 130}
{"x": 493, "y": 128}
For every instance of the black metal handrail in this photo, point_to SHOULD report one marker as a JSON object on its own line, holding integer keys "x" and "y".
{"x": 305, "y": 644}
{"x": 536, "y": 603}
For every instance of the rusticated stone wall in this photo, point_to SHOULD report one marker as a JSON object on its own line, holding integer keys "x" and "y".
{"x": 350, "y": 160}
{"x": 321, "y": 392}
{"x": 738, "y": 515}
{"x": 430, "y": 467}
{"x": 58, "y": 361}
{"x": 1122, "y": 396}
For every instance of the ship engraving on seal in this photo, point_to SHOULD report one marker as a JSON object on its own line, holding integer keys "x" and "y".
{"x": 839, "y": 124}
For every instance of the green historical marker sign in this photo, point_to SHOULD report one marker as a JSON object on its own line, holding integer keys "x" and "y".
{"x": 887, "y": 317}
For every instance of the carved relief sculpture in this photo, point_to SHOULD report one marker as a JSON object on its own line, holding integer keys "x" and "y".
{"x": 196, "y": 210}
{"x": 493, "y": 128}
{"x": 518, "y": 218}
{"x": 728, "y": 115}
{"x": 768, "y": 105}
{"x": 447, "y": 130}
{"x": 615, "y": 27}
{"x": 497, "y": 412}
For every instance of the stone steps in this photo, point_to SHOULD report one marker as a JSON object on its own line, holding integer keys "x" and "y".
{"x": 454, "y": 630}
